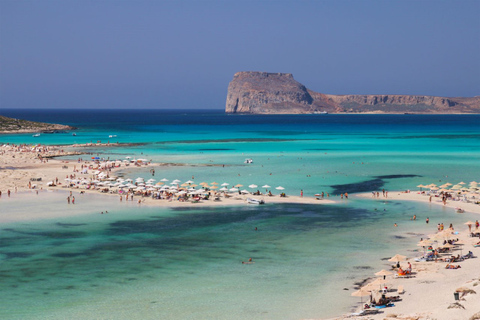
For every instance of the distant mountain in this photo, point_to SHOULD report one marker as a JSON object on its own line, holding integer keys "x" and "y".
{"x": 10, "y": 125}
{"x": 280, "y": 93}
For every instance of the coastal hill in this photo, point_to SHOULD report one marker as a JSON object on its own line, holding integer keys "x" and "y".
{"x": 10, "y": 125}
{"x": 279, "y": 93}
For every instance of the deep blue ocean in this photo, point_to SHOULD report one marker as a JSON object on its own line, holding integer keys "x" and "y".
{"x": 185, "y": 263}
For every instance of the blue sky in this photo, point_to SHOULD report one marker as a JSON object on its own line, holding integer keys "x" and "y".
{"x": 183, "y": 54}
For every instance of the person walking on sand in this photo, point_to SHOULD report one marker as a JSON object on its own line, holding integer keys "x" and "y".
{"x": 68, "y": 200}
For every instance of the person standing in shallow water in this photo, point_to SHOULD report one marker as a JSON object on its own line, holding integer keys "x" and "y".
{"x": 428, "y": 220}
{"x": 301, "y": 193}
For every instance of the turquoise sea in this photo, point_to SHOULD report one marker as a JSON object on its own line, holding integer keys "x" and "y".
{"x": 185, "y": 263}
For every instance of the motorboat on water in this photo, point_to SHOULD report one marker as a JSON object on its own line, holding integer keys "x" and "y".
{"x": 249, "y": 160}
{"x": 36, "y": 135}
{"x": 112, "y": 136}
{"x": 74, "y": 134}
{"x": 255, "y": 201}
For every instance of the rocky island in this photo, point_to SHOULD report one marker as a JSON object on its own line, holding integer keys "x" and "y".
{"x": 279, "y": 93}
{"x": 11, "y": 125}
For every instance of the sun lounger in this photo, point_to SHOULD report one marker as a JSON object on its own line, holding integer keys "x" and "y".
{"x": 366, "y": 312}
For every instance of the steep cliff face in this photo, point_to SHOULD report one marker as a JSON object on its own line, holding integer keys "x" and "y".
{"x": 262, "y": 92}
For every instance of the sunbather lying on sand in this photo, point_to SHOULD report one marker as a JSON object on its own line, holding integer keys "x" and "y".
{"x": 451, "y": 266}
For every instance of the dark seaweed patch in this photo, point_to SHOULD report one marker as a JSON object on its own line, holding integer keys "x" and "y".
{"x": 67, "y": 255}
{"x": 364, "y": 186}
{"x": 368, "y": 185}
{"x": 12, "y": 255}
{"x": 68, "y": 225}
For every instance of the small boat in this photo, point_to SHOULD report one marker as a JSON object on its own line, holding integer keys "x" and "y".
{"x": 248, "y": 161}
{"x": 36, "y": 135}
{"x": 255, "y": 201}
{"x": 320, "y": 112}
{"x": 74, "y": 134}
{"x": 112, "y": 136}
{"x": 459, "y": 210}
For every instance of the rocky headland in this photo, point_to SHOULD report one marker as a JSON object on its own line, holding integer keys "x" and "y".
{"x": 11, "y": 125}
{"x": 279, "y": 93}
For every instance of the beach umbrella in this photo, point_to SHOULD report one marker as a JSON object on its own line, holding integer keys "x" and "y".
{"x": 461, "y": 182}
{"x": 280, "y": 188}
{"x": 233, "y": 189}
{"x": 420, "y": 186}
{"x": 361, "y": 293}
{"x": 424, "y": 243}
{"x": 378, "y": 282}
{"x": 397, "y": 258}
{"x": 224, "y": 184}
{"x": 223, "y": 189}
{"x": 184, "y": 185}
{"x": 253, "y": 186}
{"x": 266, "y": 186}
{"x": 447, "y": 246}
{"x": 213, "y": 187}
{"x": 214, "y": 183}
{"x": 189, "y": 182}
{"x": 164, "y": 180}
{"x": 239, "y": 186}
{"x": 159, "y": 183}
{"x": 244, "y": 192}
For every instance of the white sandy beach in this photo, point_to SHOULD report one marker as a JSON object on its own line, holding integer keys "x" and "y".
{"x": 428, "y": 295}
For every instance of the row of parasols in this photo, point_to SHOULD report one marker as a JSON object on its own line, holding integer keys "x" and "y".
{"x": 440, "y": 236}
{"x": 139, "y": 184}
{"x": 378, "y": 283}
{"x": 461, "y": 186}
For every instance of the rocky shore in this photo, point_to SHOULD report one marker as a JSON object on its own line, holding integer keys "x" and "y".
{"x": 11, "y": 125}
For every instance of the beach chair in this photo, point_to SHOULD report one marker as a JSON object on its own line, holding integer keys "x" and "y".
{"x": 400, "y": 290}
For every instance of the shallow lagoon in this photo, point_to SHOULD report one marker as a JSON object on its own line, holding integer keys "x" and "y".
{"x": 186, "y": 262}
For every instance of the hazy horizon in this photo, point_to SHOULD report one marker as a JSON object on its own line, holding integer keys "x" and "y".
{"x": 183, "y": 54}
